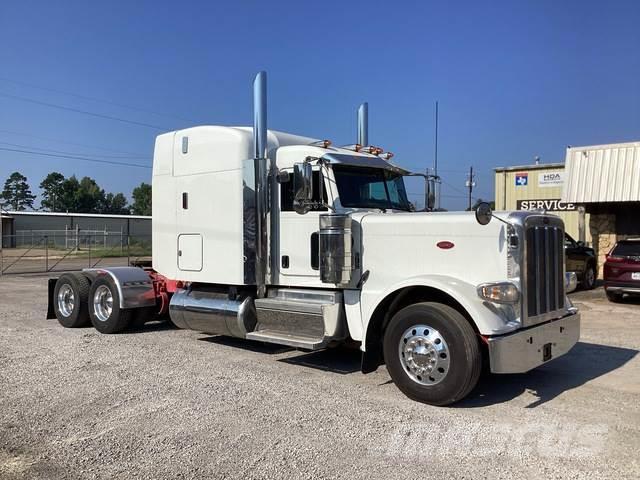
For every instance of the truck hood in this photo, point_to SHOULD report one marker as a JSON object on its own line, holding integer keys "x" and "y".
{"x": 401, "y": 245}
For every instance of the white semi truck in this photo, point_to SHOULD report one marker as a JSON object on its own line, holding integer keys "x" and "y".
{"x": 285, "y": 239}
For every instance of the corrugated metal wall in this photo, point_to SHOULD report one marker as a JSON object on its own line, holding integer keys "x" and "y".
{"x": 603, "y": 173}
{"x": 133, "y": 226}
{"x": 510, "y": 188}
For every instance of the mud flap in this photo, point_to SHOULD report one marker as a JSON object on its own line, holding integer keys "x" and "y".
{"x": 51, "y": 313}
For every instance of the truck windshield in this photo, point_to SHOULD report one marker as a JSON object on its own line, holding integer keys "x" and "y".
{"x": 363, "y": 187}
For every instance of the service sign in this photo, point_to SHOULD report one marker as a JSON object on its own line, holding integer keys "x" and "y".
{"x": 547, "y": 204}
{"x": 550, "y": 179}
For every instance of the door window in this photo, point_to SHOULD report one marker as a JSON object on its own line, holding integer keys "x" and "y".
{"x": 286, "y": 195}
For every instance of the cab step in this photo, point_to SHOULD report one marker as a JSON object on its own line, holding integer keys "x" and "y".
{"x": 282, "y": 338}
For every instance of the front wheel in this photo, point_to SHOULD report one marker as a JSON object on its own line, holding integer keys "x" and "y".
{"x": 589, "y": 277}
{"x": 432, "y": 353}
{"x": 104, "y": 307}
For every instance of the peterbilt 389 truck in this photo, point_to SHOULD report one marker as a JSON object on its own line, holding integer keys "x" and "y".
{"x": 285, "y": 239}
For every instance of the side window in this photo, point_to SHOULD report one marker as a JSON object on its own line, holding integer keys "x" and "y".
{"x": 286, "y": 195}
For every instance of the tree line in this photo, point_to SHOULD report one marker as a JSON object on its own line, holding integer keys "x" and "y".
{"x": 61, "y": 194}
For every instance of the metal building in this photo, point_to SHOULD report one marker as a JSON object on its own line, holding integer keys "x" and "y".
{"x": 21, "y": 228}
{"x": 605, "y": 179}
{"x": 531, "y": 187}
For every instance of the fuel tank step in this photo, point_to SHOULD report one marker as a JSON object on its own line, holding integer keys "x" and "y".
{"x": 282, "y": 338}
{"x": 302, "y": 313}
{"x": 291, "y": 317}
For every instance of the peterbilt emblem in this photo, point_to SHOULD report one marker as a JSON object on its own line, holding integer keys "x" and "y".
{"x": 445, "y": 245}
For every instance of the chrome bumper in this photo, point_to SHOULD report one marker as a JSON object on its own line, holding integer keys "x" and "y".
{"x": 526, "y": 349}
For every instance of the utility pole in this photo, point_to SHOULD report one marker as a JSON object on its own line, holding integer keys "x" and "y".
{"x": 435, "y": 163}
{"x": 470, "y": 184}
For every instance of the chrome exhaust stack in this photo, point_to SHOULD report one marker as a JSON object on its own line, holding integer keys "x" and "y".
{"x": 363, "y": 125}
{"x": 261, "y": 177}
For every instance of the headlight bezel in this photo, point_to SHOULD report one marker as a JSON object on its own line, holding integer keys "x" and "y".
{"x": 502, "y": 293}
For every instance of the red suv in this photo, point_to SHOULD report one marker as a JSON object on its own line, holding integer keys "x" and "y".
{"x": 622, "y": 270}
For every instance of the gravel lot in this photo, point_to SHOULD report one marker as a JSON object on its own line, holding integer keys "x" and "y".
{"x": 166, "y": 403}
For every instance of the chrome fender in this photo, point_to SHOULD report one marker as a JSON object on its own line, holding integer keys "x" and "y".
{"x": 135, "y": 288}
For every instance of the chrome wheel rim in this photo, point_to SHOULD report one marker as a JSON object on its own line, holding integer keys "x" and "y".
{"x": 102, "y": 303}
{"x": 66, "y": 300}
{"x": 424, "y": 355}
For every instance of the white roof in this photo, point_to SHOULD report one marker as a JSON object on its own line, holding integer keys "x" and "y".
{"x": 72, "y": 214}
{"x": 602, "y": 173}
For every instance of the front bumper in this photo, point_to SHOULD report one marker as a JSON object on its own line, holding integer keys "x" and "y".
{"x": 524, "y": 350}
{"x": 622, "y": 287}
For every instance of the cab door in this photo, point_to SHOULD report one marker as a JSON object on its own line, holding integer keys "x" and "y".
{"x": 298, "y": 261}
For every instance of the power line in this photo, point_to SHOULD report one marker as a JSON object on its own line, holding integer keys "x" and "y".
{"x": 93, "y": 99}
{"x": 462, "y": 193}
{"x": 109, "y": 162}
{"x": 49, "y": 150}
{"x": 66, "y": 142}
{"x": 84, "y": 112}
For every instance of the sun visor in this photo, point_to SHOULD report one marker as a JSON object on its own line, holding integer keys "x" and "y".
{"x": 363, "y": 161}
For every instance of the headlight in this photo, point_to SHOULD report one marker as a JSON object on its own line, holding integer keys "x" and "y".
{"x": 499, "y": 292}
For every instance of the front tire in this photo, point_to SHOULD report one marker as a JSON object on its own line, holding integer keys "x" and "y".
{"x": 589, "y": 277}
{"x": 432, "y": 353}
{"x": 104, "y": 307}
{"x": 70, "y": 300}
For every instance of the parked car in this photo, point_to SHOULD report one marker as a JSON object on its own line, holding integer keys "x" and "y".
{"x": 581, "y": 260}
{"x": 622, "y": 270}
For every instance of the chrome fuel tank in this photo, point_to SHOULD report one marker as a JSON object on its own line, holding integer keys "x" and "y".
{"x": 213, "y": 312}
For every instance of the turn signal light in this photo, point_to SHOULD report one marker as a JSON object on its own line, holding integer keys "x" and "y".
{"x": 500, "y": 292}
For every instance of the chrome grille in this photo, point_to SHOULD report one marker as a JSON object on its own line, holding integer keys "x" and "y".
{"x": 544, "y": 268}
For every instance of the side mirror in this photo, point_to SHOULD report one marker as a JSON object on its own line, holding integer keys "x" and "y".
{"x": 431, "y": 194}
{"x": 302, "y": 187}
{"x": 483, "y": 213}
{"x": 580, "y": 243}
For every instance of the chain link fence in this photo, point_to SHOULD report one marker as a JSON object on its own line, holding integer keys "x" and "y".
{"x": 40, "y": 251}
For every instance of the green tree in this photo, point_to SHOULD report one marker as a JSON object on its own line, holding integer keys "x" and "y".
{"x": 115, "y": 204}
{"x": 17, "y": 193}
{"x": 68, "y": 200}
{"x": 142, "y": 199}
{"x": 89, "y": 197}
{"x": 53, "y": 192}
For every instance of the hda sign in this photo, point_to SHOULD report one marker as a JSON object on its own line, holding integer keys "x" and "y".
{"x": 551, "y": 179}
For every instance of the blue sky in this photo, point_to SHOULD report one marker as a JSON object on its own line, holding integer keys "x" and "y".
{"x": 513, "y": 79}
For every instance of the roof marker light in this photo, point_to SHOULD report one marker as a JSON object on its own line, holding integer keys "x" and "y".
{"x": 322, "y": 143}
